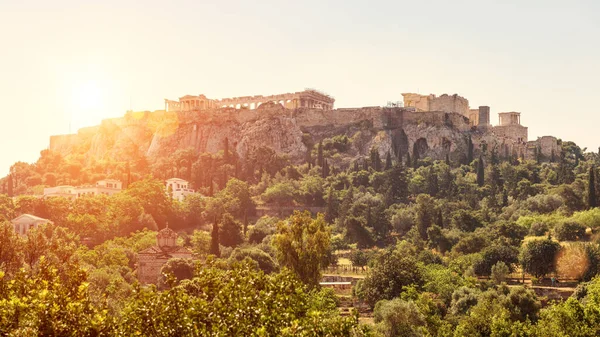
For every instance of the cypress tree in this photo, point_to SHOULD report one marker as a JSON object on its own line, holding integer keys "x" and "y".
{"x": 415, "y": 158}
{"x": 346, "y": 204}
{"x": 325, "y": 169}
{"x": 388, "y": 161}
{"x": 469, "y": 150}
{"x": 592, "y": 201}
{"x": 480, "y": 172}
{"x": 320, "y": 154}
{"x": 214, "y": 239}
{"x": 397, "y": 184}
{"x": 10, "y": 187}
{"x": 504, "y": 198}
{"x": 440, "y": 219}
{"x": 447, "y": 159}
{"x": 375, "y": 159}
{"x": 330, "y": 212}
{"x": 408, "y": 161}
{"x": 433, "y": 186}
{"x": 356, "y": 167}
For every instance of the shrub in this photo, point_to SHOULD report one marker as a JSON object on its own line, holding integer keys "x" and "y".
{"x": 569, "y": 231}
{"x": 500, "y": 272}
{"x": 538, "y": 229}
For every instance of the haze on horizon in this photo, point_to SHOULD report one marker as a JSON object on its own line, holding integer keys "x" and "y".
{"x": 66, "y": 64}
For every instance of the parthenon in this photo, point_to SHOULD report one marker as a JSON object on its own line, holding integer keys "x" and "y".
{"x": 309, "y": 98}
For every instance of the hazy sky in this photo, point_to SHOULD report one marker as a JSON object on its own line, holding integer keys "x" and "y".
{"x": 67, "y": 64}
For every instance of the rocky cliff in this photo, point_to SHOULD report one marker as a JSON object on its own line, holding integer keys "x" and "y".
{"x": 288, "y": 132}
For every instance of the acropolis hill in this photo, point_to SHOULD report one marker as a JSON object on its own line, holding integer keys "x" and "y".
{"x": 290, "y": 124}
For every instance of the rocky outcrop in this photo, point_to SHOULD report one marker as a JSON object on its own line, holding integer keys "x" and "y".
{"x": 288, "y": 132}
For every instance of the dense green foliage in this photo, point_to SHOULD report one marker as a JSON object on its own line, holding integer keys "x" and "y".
{"x": 436, "y": 243}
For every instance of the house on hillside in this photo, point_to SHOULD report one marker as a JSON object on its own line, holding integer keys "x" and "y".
{"x": 178, "y": 188}
{"x": 24, "y": 222}
{"x": 106, "y": 187}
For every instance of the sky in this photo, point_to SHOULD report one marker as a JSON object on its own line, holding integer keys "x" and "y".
{"x": 65, "y": 64}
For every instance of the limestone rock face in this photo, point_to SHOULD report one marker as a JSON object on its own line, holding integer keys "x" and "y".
{"x": 288, "y": 132}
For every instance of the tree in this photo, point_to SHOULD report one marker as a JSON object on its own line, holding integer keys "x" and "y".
{"x": 10, "y": 186}
{"x": 331, "y": 211}
{"x": 494, "y": 254}
{"x": 425, "y": 214}
{"x": 569, "y": 231}
{"x": 499, "y": 272}
{"x": 399, "y": 318}
{"x": 181, "y": 269}
{"x": 388, "y": 161}
{"x": 214, "y": 239}
{"x": 397, "y": 185}
{"x": 592, "y": 199}
{"x": 320, "y": 154}
{"x": 302, "y": 243}
{"x": 469, "y": 150}
{"x": 538, "y": 257}
{"x": 392, "y": 271}
{"x": 359, "y": 258}
{"x": 375, "y": 159}
{"x": 480, "y": 172}
{"x": 230, "y": 231}
{"x": 263, "y": 260}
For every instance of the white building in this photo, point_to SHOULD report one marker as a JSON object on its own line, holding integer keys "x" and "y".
{"x": 66, "y": 191}
{"x": 24, "y": 222}
{"x": 106, "y": 187}
{"x": 178, "y": 188}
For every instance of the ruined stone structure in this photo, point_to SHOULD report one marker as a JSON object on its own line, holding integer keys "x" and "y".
{"x": 546, "y": 148}
{"x": 480, "y": 117}
{"x": 510, "y": 127}
{"x": 308, "y": 98}
{"x": 151, "y": 260}
{"x": 445, "y": 103}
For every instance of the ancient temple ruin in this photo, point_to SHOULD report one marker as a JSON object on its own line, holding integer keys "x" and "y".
{"x": 308, "y": 98}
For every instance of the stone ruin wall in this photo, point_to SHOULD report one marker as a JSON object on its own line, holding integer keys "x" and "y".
{"x": 450, "y": 103}
{"x": 515, "y": 132}
{"x": 547, "y": 145}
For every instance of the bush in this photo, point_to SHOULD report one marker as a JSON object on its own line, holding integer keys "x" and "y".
{"x": 538, "y": 257}
{"x": 494, "y": 254}
{"x": 264, "y": 227}
{"x": 569, "y": 231}
{"x": 500, "y": 272}
{"x": 263, "y": 260}
{"x": 538, "y": 229}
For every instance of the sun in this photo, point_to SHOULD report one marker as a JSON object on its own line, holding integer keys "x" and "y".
{"x": 88, "y": 96}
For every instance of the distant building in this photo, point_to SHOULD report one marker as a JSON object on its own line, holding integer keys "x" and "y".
{"x": 178, "y": 188}
{"x": 24, "y": 222}
{"x": 66, "y": 191}
{"x": 150, "y": 261}
{"x": 106, "y": 187}
{"x": 309, "y": 98}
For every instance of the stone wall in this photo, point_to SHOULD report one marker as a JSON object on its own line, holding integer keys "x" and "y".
{"x": 149, "y": 265}
{"x": 547, "y": 146}
{"x": 450, "y": 103}
{"x": 515, "y": 132}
